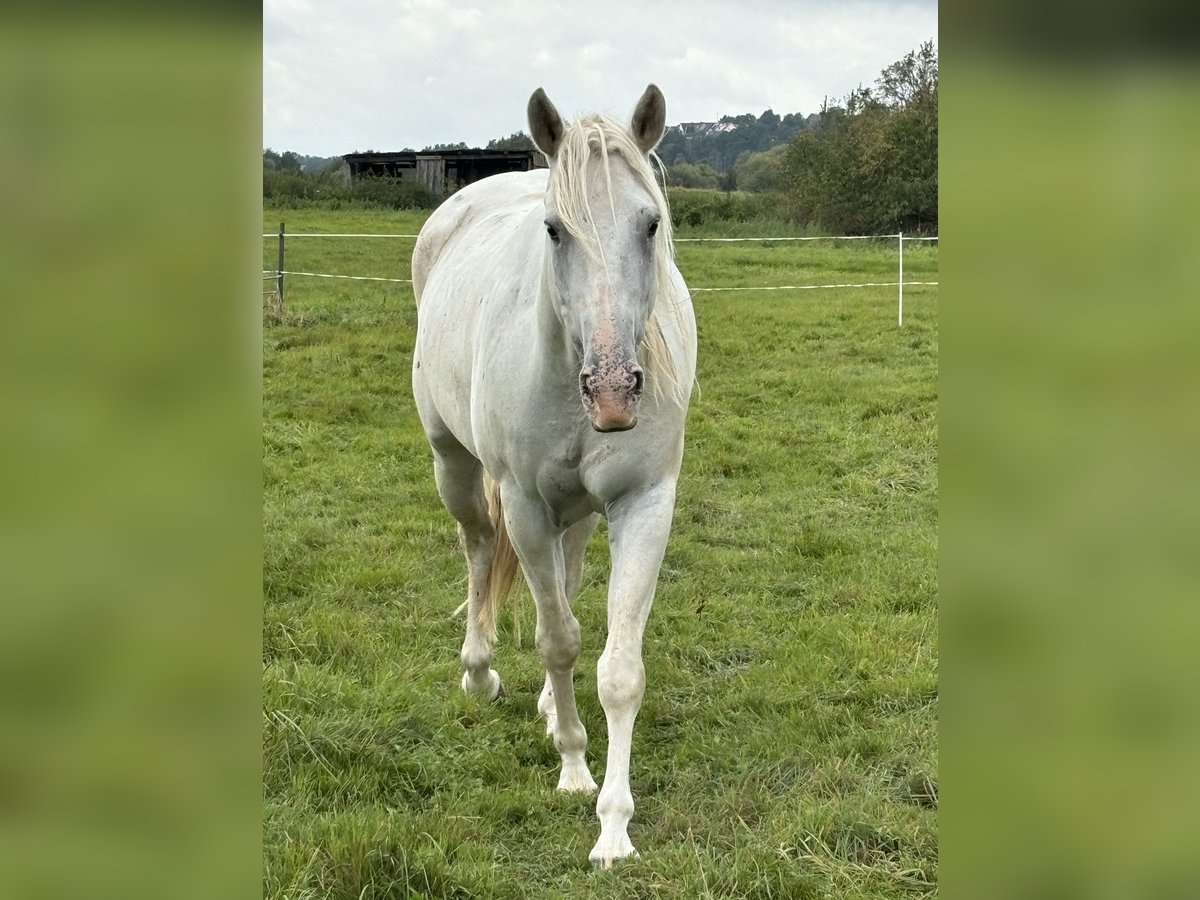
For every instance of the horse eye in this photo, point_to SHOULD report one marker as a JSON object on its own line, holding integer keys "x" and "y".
{"x": 654, "y": 228}
{"x": 550, "y": 231}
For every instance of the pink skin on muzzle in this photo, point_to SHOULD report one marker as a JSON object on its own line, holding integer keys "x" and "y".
{"x": 611, "y": 395}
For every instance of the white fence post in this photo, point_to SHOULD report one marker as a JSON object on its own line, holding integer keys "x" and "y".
{"x": 279, "y": 269}
{"x": 900, "y": 314}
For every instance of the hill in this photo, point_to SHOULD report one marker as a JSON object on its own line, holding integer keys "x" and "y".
{"x": 719, "y": 144}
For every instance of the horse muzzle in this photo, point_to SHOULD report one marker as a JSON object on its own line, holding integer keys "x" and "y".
{"x": 611, "y": 395}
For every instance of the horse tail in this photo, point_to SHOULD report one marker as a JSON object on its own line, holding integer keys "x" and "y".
{"x": 502, "y": 574}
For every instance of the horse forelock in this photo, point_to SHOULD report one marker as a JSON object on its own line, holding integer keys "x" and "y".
{"x": 596, "y": 138}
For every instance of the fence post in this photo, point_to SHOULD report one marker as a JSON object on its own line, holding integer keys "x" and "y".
{"x": 900, "y": 314}
{"x": 279, "y": 268}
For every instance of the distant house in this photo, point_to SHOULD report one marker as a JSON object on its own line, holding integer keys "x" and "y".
{"x": 439, "y": 171}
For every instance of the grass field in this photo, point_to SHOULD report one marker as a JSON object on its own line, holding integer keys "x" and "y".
{"x": 787, "y": 745}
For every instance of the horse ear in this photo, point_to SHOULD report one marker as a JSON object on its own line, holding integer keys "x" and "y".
{"x": 545, "y": 124}
{"x": 649, "y": 119}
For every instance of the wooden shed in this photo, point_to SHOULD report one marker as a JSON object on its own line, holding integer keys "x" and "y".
{"x": 439, "y": 171}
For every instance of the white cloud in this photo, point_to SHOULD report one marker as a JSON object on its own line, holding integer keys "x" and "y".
{"x": 381, "y": 75}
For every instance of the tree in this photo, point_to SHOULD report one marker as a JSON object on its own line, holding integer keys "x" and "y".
{"x": 721, "y": 147}
{"x": 688, "y": 175}
{"x": 760, "y": 172}
{"x": 518, "y": 140}
{"x": 870, "y": 164}
{"x": 288, "y": 161}
{"x": 913, "y": 79}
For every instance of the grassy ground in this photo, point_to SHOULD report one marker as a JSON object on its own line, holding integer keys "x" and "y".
{"x": 787, "y": 743}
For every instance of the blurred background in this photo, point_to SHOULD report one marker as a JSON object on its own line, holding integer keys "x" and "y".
{"x": 129, "y": 454}
{"x": 1069, "y": 435}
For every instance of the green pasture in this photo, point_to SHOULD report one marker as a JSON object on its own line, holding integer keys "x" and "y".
{"x": 787, "y": 745}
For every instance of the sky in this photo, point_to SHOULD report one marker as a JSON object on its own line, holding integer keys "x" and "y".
{"x": 358, "y": 75}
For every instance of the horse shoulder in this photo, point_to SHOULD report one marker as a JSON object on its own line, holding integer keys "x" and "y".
{"x": 478, "y": 206}
{"x": 445, "y": 221}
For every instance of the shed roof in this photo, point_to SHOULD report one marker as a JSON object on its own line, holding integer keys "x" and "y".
{"x": 437, "y": 154}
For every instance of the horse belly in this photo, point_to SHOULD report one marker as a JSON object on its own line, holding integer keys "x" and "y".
{"x": 442, "y": 369}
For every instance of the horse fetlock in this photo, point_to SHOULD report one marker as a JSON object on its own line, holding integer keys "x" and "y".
{"x": 476, "y": 656}
{"x": 621, "y": 683}
{"x": 614, "y": 806}
{"x": 570, "y": 740}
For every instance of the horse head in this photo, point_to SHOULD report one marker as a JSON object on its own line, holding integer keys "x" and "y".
{"x": 607, "y": 235}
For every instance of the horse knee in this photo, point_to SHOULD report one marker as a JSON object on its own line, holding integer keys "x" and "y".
{"x": 620, "y": 681}
{"x": 559, "y": 648}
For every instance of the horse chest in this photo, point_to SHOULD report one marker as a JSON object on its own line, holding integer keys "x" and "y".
{"x": 562, "y": 490}
{"x": 582, "y": 480}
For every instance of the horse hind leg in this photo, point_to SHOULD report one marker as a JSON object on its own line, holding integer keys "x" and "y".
{"x": 459, "y": 478}
{"x": 574, "y": 543}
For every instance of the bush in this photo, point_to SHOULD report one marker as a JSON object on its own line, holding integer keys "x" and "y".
{"x": 695, "y": 207}
{"x": 298, "y": 190}
{"x": 760, "y": 172}
{"x": 693, "y": 176}
{"x": 289, "y": 186}
{"x": 392, "y": 193}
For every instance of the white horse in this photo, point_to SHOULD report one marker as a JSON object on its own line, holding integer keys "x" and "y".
{"x": 552, "y": 321}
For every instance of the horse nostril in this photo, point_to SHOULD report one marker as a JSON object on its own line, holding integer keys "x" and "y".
{"x": 638, "y": 381}
{"x": 583, "y": 382}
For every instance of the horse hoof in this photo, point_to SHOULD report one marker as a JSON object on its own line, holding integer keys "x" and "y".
{"x": 576, "y": 781}
{"x": 603, "y": 856}
{"x": 492, "y": 688}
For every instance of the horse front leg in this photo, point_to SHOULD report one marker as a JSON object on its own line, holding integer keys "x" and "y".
{"x": 539, "y": 546}
{"x": 574, "y": 542}
{"x": 638, "y": 529}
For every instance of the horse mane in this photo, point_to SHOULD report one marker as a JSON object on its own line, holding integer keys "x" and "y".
{"x": 598, "y": 135}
